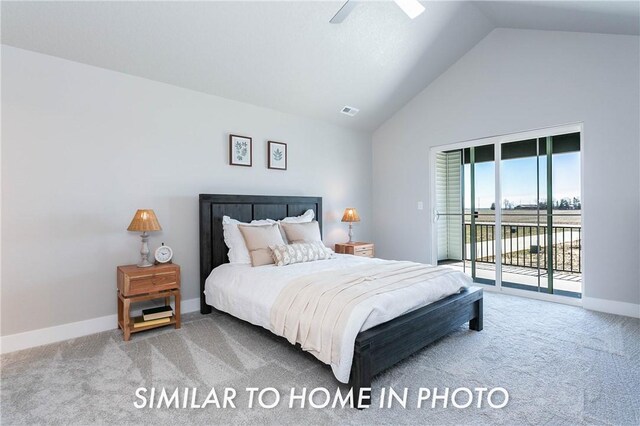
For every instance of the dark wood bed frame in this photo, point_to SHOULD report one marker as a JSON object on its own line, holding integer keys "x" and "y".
{"x": 375, "y": 349}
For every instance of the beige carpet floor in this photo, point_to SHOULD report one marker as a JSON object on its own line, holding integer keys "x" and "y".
{"x": 560, "y": 364}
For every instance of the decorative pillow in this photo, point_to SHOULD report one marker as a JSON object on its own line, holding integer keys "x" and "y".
{"x": 303, "y": 218}
{"x": 258, "y": 239}
{"x": 300, "y": 252}
{"x": 302, "y": 232}
{"x": 238, "y": 252}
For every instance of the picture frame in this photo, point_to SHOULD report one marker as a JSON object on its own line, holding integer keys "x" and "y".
{"x": 240, "y": 151}
{"x": 277, "y": 154}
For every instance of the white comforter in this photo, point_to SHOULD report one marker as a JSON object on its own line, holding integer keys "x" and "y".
{"x": 249, "y": 293}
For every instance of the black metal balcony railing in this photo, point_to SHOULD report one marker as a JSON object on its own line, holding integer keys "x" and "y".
{"x": 527, "y": 245}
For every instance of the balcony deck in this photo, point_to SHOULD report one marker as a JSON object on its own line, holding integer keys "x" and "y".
{"x": 523, "y": 277}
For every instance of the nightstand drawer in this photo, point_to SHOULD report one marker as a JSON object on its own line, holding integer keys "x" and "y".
{"x": 153, "y": 282}
{"x": 133, "y": 280}
{"x": 356, "y": 249}
{"x": 363, "y": 251}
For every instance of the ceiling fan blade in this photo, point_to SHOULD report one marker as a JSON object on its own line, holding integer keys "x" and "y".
{"x": 344, "y": 11}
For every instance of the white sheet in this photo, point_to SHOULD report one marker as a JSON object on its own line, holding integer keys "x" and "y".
{"x": 248, "y": 293}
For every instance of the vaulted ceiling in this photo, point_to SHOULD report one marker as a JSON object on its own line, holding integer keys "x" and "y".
{"x": 286, "y": 55}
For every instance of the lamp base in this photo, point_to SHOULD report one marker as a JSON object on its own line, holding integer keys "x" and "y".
{"x": 350, "y": 233}
{"x": 144, "y": 252}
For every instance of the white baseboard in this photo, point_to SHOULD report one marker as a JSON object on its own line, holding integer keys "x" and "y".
{"x": 591, "y": 303}
{"x": 44, "y": 336}
{"x": 528, "y": 294}
{"x": 611, "y": 307}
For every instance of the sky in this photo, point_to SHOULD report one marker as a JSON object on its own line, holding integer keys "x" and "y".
{"x": 519, "y": 180}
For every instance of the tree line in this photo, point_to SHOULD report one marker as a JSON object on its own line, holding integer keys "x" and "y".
{"x": 566, "y": 203}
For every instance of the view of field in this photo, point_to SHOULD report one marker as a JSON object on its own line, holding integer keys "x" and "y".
{"x": 566, "y": 257}
{"x": 524, "y": 240}
{"x": 520, "y": 217}
{"x": 527, "y": 220}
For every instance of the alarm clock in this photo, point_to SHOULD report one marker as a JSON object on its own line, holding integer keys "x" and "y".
{"x": 163, "y": 254}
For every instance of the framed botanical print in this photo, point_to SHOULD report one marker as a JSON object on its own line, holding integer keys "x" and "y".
{"x": 277, "y": 152}
{"x": 240, "y": 151}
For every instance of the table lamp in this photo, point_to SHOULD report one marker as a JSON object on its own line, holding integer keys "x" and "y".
{"x": 144, "y": 221}
{"x": 350, "y": 215}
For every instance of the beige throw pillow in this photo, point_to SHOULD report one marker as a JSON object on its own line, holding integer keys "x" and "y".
{"x": 300, "y": 252}
{"x": 238, "y": 252}
{"x": 302, "y": 232}
{"x": 303, "y": 218}
{"x": 258, "y": 239}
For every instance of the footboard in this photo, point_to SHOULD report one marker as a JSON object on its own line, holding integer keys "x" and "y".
{"x": 386, "y": 344}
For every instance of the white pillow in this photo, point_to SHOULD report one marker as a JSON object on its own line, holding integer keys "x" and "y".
{"x": 238, "y": 252}
{"x": 305, "y": 217}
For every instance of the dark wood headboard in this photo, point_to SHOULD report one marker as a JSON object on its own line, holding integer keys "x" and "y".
{"x": 245, "y": 208}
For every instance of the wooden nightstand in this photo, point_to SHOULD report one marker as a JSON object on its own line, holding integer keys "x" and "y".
{"x": 356, "y": 249}
{"x": 139, "y": 284}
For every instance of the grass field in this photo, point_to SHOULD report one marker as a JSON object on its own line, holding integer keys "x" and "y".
{"x": 560, "y": 217}
{"x": 525, "y": 222}
{"x": 566, "y": 257}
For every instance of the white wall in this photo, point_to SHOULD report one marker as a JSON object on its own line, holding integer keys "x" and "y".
{"x": 512, "y": 81}
{"x": 83, "y": 148}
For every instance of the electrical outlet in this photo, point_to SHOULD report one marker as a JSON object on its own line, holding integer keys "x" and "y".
{"x": 420, "y": 205}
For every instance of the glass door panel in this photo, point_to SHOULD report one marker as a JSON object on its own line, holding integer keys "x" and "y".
{"x": 565, "y": 216}
{"x": 541, "y": 214}
{"x": 522, "y": 233}
{"x": 479, "y": 209}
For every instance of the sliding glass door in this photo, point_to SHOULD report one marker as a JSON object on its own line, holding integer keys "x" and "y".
{"x": 529, "y": 235}
{"x": 541, "y": 212}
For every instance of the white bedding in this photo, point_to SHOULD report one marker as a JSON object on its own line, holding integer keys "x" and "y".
{"x": 249, "y": 293}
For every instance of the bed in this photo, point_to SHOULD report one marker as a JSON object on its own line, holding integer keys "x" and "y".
{"x": 375, "y": 349}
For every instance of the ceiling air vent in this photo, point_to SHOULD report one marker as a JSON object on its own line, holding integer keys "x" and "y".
{"x": 350, "y": 111}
